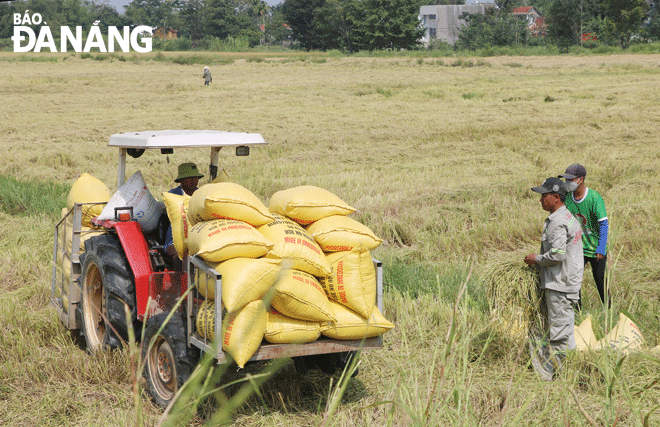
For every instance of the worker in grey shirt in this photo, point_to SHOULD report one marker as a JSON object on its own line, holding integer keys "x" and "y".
{"x": 561, "y": 266}
{"x": 207, "y": 76}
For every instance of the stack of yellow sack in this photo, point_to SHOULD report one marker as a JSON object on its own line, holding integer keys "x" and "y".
{"x": 299, "y": 303}
{"x": 351, "y": 283}
{"x": 217, "y": 223}
{"x": 321, "y": 278}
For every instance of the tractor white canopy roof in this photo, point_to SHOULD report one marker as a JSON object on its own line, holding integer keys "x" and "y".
{"x": 184, "y": 138}
{"x": 171, "y": 139}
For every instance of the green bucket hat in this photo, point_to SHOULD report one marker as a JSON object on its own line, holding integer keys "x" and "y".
{"x": 188, "y": 170}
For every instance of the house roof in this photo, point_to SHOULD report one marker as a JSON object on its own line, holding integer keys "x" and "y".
{"x": 522, "y": 10}
{"x": 538, "y": 23}
{"x": 526, "y": 10}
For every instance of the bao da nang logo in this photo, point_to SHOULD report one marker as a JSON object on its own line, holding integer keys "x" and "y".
{"x": 139, "y": 38}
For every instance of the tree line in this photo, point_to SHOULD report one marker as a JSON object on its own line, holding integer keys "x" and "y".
{"x": 568, "y": 23}
{"x": 351, "y": 25}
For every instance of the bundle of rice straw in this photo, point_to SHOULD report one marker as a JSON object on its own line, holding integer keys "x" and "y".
{"x": 512, "y": 290}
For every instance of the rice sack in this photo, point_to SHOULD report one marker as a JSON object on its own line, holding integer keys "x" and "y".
{"x": 352, "y": 281}
{"x": 300, "y": 296}
{"x": 351, "y": 326}
{"x": 227, "y": 200}
{"x": 88, "y": 189}
{"x": 177, "y": 211}
{"x": 281, "y": 329}
{"x": 339, "y": 233}
{"x": 307, "y": 203}
{"x": 294, "y": 243}
{"x": 243, "y": 280}
{"x": 223, "y": 239}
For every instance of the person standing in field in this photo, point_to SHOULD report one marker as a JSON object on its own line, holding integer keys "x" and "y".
{"x": 588, "y": 207}
{"x": 560, "y": 269}
{"x": 207, "y": 76}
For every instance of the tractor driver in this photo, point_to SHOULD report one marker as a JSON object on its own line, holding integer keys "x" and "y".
{"x": 187, "y": 179}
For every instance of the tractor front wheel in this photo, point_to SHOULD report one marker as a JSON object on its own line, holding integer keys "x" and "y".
{"x": 168, "y": 360}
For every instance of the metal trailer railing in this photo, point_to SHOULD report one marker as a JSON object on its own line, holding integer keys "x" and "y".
{"x": 65, "y": 291}
{"x": 266, "y": 351}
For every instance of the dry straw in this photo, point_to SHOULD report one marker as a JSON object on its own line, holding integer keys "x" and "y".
{"x": 512, "y": 290}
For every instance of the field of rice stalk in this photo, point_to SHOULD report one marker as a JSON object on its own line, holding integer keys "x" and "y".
{"x": 438, "y": 158}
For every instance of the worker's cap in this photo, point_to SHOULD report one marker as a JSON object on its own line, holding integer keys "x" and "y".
{"x": 575, "y": 170}
{"x": 188, "y": 170}
{"x": 551, "y": 185}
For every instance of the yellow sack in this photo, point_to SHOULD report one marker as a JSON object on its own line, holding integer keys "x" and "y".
{"x": 88, "y": 189}
{"x": 307, "y": 204}
{"x": 243, "y": 280}
{"x": 624, "y": 336}
{"x": 223, "y": 239}
{"x": 292, "y": 242}
{"x": 206, "y": 320}
{"x": 281, "y": 329}
{"x": 243, "y": 331}
{"x": 352, "y": 326}
{"x": 226, "y": 200}
{"x": 177, "y": 210}
{"x": 352, "y": 281}
{"x": 339, "y": 233}
{"x": 221, "y": 177}
{"x": 584, "y": 335}
{"x": 300, "y": 296}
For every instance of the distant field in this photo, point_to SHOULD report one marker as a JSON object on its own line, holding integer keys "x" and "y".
{"x": 438, "y": 155}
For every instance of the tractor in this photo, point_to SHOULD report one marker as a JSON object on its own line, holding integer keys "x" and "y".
{"x": 123, "y": 279}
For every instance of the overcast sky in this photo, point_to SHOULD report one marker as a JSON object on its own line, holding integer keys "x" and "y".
{"x": 118, "y": 4}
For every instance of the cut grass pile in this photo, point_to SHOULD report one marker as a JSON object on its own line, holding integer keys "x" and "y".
{"x": 512, "y": 289}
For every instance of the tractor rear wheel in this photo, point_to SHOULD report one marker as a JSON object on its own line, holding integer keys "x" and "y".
{"x": 107, "y": 285}
{"x": 169, "y": 361}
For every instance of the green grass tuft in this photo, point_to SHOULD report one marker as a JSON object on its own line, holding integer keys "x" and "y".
{"x": 19, "y": 198}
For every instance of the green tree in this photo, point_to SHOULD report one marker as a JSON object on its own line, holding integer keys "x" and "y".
{"x": 493, "y": 28}
{"x": 564, "y": 23}
{"x": 107, "y": 15}
{"x": 652, "y": 30}
{"x": 7, "y": 11}
{"x": 277, "y": 31}
{"x": 624, "y": 18}
{"x": 155, "y": 13}
{"x": 224, "y": 18}
{"x": 74, "y": 13}
{"x": 192, "y": 19}
{"x": 390, "y": 24}
{"x": 338, "y": 23}
{"x": 300, "y": 16}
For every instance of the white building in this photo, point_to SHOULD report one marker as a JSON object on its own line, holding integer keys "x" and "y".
{"x": 444, "y": 23}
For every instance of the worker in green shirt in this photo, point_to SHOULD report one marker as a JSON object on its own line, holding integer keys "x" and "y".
{"x": 587, "y": 205}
